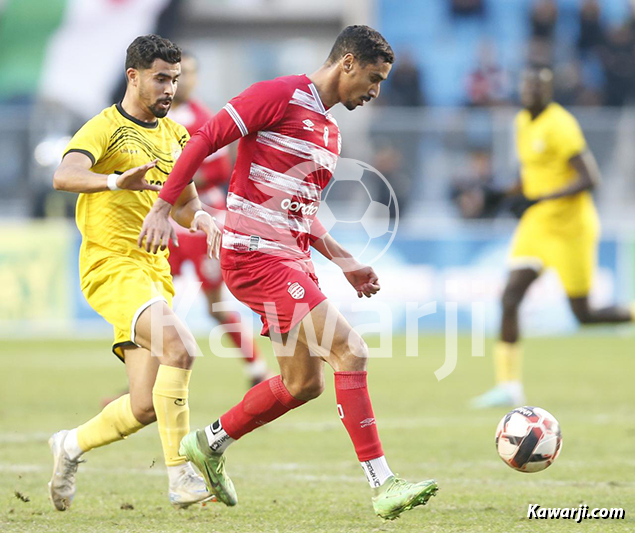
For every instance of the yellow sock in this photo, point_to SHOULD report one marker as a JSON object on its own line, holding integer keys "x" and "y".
{"x": 507, "y": 361}
{"x": 169, "y": 397}
{"x": 114, "y": 423}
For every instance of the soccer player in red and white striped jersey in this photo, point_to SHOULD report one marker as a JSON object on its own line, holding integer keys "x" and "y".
{"x": 289, "y": 146}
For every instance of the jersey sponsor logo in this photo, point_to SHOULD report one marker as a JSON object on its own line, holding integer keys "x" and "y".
{"x": 297, "y": 207}
{"x": 308, "y": 125}
{"x": 296, "y": 291}
{"x": 367, "y": 422}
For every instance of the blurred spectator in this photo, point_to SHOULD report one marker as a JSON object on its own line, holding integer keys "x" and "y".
{"x": 570, "y": 87}
{"x": 390, "y": 162}
{"x": 467, "y": 7}
{"x": 544, "y": 16}
{"x": 489, "y": 83}
{"x": 404, "y": 84}
{"x": 618, "y": 59}
{"x": 540, "y": 52}
{"x": 591, "y": 31}
{"x": 472, "y": 193}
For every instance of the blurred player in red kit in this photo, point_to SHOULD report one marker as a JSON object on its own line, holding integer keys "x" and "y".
{"x": 211, "y": 180}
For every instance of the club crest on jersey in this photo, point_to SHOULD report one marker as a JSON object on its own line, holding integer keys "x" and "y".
{"x": 308, "y": 125}
{"x": 296, "y": 291}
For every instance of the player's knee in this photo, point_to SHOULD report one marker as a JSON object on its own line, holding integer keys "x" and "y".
{"x": 143, "y": 411}
{"x": 351, "y": 355}
{"x": 583, "y": 316}
{"x": 511, "y": 300}
{"x": 179, "y": 348}
{"x": 306, "y": 389}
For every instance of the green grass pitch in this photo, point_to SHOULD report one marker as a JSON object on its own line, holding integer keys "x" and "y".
{"x": 300, "y": 473}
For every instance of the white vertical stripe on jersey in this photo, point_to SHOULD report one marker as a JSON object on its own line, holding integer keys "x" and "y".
{"x": 316, "y": 95}
{"x": 284, "y": 182}
{"x": 234, "y": 115}
{"x": 270, "y": 217}
{"x": 299, "y": 148}
{"x": 306, "y": 100}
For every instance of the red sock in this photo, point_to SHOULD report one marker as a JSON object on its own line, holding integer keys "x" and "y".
{"x": 262, "y": 404}
{"x": 250, "y": 354}
{"x": 356, "y": 412}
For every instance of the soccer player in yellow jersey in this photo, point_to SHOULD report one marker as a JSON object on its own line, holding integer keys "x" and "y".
{"x": 118, "y": 162}
{"x": 559, "y": 230}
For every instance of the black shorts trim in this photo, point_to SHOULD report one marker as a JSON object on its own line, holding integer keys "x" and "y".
{"x": 80, "y": 151}
{"x": 116, "y": 347}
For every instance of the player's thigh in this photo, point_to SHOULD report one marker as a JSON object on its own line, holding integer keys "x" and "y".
{"x": 141, "y": 369}
{"x": 575, "y": 261}
{"x": 324, "y": 334}
{"x": 160, "y": 331}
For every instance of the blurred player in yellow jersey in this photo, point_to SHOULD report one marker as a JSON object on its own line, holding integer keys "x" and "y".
{"x": 559, "y": 230}
{"x": 118, "y": 162}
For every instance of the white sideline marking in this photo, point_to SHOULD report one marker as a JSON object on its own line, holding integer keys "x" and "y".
{"x": 384, "y": 424}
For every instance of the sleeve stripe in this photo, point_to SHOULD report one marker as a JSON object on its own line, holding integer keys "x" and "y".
{"x": 239, "y": 121}
{"x": 85, "y": 152}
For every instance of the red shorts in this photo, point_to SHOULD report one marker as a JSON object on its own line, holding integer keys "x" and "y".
{"x": 281, "y": 291}
{"x": 193, "y": 247}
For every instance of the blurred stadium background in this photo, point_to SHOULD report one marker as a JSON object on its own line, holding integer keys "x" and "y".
{"x": 441, "y": 128}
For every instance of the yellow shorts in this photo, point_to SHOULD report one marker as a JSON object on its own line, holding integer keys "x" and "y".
{"x": 572, "y": 254}
{"x": 120, "y": 288}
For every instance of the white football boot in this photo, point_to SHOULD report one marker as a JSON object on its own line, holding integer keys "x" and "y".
{"x": 62, "y": 484}
{"x": 189, "y": 489}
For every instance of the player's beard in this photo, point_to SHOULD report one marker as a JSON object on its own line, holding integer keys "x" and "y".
{"x": 159, "y": 111}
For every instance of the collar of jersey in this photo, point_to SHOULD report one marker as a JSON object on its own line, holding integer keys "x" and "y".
{"x": 148, "y": 125}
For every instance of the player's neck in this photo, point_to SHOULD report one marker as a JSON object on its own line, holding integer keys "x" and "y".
{"x": 135, "y": 110}
{"x": 537, "y": 110}
{"x": 325, "y": 80}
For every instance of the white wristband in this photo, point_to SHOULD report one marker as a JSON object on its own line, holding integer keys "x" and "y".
{"x": 112, "y": 182}
{"x": 202, "y": 212}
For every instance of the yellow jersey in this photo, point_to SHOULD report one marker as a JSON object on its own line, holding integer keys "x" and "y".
{"x": 110, "y": 221}
{"x": 545, "y": 145}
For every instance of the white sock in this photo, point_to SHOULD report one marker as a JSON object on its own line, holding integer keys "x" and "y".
{"x": 176, "y": 472}
{"x": 71, "y": 446}
{"x": 217, "y": 437}
{"x": 377, "y": 471}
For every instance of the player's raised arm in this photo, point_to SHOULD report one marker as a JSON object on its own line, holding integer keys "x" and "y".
{"x": 74, "y": 175}
{"x": 361, "y": 277}
{"x": 254, "y": 109}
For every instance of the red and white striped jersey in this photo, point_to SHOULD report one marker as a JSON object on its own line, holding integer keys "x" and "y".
{"x": 289, "y": 146}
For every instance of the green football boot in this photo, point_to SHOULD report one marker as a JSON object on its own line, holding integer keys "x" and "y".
{"x": 195, "y": 447}
{"x": 397, "y": 495}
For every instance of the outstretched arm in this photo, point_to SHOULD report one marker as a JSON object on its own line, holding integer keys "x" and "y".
{"x": 361, "y": 277}
{"x": 74, "y": 175}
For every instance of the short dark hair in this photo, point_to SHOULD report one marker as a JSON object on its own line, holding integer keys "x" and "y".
{"x": 145, "y": 49}
{"x": 366, "y": 44}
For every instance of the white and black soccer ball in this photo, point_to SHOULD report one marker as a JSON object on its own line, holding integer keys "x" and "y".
{"x": 528, "y": 439}
{"x": 359, "y": 202}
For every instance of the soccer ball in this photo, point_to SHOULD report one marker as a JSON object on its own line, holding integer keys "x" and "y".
{"x": 528, "y": 439}
{"x": 359, "y": 205}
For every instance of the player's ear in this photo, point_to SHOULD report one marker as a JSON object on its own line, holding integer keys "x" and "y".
{"x": 347, "y": 63}
{"x": 132, "y": 75}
